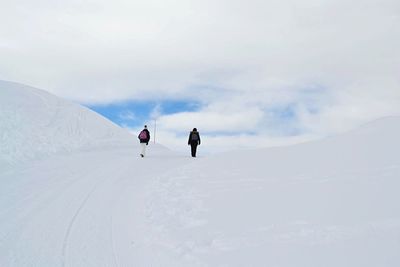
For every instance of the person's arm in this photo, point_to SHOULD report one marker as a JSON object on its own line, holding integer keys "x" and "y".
{"x": 199, "y": 137}
{"x": 190, "y": 137}
{"x": 148, "y": 137}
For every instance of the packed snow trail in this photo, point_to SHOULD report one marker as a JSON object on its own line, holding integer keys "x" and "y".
{"x": 78, "y": 210}
{"x": 112, "y": 208}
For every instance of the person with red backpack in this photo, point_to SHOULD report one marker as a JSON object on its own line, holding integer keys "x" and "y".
{"x": 144, "y": 138}
{"x": 194, "y": 141}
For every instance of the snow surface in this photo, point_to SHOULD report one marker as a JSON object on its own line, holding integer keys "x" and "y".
{"x": 35, "y": 124}
{"x": 73, "y": 192}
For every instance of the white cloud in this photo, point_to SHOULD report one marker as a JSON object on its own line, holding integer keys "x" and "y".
{"x": 212, "y": 121}
{"x": 240, "y": 59}
{"x": 127, "y": 115}
{"x": 156, "y": 112}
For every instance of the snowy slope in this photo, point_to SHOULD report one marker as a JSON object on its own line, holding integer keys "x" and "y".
{"x": 332, "y": 202}
{"x": 34, "y": 124}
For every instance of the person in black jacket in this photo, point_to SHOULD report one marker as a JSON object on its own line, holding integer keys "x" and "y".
{"x": 194, "y": 141}
{"x": 144, "y": 138}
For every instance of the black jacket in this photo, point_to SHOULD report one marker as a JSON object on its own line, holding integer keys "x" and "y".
{"x": 147, "y": 139}
{"x": 194, "y": 138}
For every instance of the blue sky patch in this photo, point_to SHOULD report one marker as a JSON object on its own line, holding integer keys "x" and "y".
{"x": 137, "y": 113}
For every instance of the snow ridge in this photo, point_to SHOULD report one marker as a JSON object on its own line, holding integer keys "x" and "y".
{"x": 35, "y": 124}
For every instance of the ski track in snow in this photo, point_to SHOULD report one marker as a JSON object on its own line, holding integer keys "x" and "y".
{"x": 70, "y": 225}
{"x": 78, "y": 211}
{"x": 94, "y": 190}
{"x": 104, "y": 176}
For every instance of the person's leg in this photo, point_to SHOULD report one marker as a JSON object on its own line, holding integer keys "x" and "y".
{"x": 194, "y": 148}
{"x": 143, "y": 149}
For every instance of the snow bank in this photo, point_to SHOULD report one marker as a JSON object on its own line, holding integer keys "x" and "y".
{"x": 332, "y": 202}
{"x": 35, "y": 124}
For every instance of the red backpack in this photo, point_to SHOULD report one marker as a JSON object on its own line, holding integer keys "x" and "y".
{"x": 143, "y": 135}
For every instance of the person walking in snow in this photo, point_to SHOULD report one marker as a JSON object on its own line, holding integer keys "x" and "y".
{"x": 144, "y": 138}
{"x": 194, "y": 141}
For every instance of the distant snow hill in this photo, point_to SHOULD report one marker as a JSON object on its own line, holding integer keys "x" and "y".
{"x": 373, "y": 144}
{"x": 34, "y": 123}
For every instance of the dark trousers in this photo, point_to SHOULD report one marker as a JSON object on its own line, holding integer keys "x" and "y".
{"x": 193, "y": 145}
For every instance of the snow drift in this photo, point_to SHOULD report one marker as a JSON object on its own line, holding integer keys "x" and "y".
{"x": 34, "y": 123}
{"x": 332, "y": 202}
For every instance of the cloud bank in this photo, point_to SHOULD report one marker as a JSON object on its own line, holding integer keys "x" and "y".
{"x": 260, "y": 68}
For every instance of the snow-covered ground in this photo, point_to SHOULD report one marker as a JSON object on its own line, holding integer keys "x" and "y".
{"x": 35, "y": 124}
{"x": 73, "y": 192}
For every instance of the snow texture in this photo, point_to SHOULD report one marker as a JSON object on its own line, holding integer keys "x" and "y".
{"x": 74, "y": 192}
{"x": 35, "y": 124}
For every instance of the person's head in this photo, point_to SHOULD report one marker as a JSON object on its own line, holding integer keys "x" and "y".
{"x": 194, "y": 130}
{"x": 145, "y": 126}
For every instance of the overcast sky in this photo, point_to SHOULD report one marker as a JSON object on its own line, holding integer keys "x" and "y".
{"x": 245, "y": 73}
